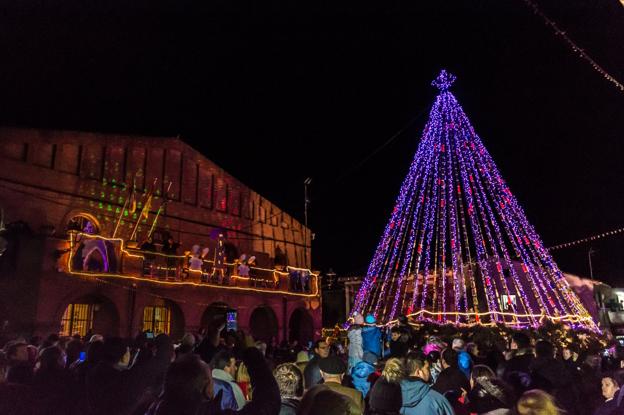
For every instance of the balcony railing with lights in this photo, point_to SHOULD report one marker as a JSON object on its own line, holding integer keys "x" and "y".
{"x": 100, "y": 257}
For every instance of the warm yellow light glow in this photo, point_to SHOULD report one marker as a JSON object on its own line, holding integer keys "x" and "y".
{"x": 171, "y": 283}
{"x": 500, "y": 313}
{"x": 570, "y": 318}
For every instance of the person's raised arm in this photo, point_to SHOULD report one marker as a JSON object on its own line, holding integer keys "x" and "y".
{"x": 266, "y": 396}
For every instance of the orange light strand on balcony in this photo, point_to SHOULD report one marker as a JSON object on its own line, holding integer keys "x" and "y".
{"x": 172, "y": 283}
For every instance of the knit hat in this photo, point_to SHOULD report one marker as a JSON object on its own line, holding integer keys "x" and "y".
{"x": 303, "y": 357}
{"x": 385, "y": 397}
{"x": 370, "y": 319}
{"x": 332, "y": 365}
{"x": 458, "y": 344}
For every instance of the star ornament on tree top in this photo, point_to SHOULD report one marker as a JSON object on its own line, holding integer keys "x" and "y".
{"x": 444, "y": 81}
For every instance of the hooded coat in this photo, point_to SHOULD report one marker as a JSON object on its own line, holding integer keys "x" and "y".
{"x": 289, "y": 406}
{"x": 359, "y": 374}
{"x": 355, "y": 343}
{"x": 464, "y": 361}
{"x": 419, "y": 398}
{"x": 371, "y": 340}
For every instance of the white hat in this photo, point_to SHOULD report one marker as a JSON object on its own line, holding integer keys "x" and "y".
{"x": 458, "y": 344}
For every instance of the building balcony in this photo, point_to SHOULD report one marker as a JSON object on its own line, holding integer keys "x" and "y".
{"x": 113, "y": 258}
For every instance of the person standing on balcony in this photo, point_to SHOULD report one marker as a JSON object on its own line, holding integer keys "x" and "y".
{"x": 148, "y": 245}
{"x": 251, "y": 262}
{"x": 195, "y": 262}
{"x": 220, "y": 268}
{"x": 243, "y": 268}
{"x": 148, "y": 257}
{"x": 170, "y": 248}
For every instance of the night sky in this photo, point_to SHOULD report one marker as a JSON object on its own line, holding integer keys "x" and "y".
{"x": 275, "y": 92}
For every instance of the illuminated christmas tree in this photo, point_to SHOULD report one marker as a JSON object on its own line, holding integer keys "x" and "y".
{"x": 458, "y": 247}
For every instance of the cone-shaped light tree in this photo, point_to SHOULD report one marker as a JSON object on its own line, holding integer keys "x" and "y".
{"x": 458, "y": 247}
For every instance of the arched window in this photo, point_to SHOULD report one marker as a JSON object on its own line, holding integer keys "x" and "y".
{"x": 83, "y": 223}
{"x": 157, "y": 319}
{"x": 77, "y": 318}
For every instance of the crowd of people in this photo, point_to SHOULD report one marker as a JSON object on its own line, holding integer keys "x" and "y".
{"x": 374, "y": 371}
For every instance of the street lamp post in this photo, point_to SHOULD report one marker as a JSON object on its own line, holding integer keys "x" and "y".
{"x": 306, "y": 202}
{"x": 589, "y": 259}
{"x": 598, "y": 297}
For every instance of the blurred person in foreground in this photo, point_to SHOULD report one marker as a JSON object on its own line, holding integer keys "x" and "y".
{"x": 418, "y": 397}
{"x": 290, "y": 383}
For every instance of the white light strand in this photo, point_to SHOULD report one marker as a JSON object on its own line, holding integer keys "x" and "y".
{"x": 575, "y": 48}
{"x": 588, "y": 239}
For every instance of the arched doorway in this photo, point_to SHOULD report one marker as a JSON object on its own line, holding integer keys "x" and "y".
{"x": 164, "y": 316}
{"x": 83, "y": 222}
{"x": 300, "y": 326}
{"x": 263, "y": 324}
{"x": 90, "y": 314}
{"x": 215, "y": 312}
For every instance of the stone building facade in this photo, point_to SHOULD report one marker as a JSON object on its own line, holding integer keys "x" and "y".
{"x": 52, "y": 183}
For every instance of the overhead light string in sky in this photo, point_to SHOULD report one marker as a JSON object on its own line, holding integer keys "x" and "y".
{"x": 575, "y": 48}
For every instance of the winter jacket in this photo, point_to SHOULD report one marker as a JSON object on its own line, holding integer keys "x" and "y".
{"x": 451, "y": 379}
{"x": 228, "y": 401}
{"x": 419, "y": 398}
{"x": 371, "y": 340}
{"x": 312, "y": 373}
{"x": 609, "y": 408}
{"x": 356, "y": 400}
{"x": 218, "y": 374}
{"x": 360, "y": 374}
{"x": 464, "y": 362}
{"x": 289, "y": 406}
{"x": 355, "y": 343}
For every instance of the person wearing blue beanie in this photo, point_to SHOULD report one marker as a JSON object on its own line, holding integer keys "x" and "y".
{"x": 371, "y": 336}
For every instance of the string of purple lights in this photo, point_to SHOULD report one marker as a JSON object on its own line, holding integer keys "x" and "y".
{"x": 458, "y": 247}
